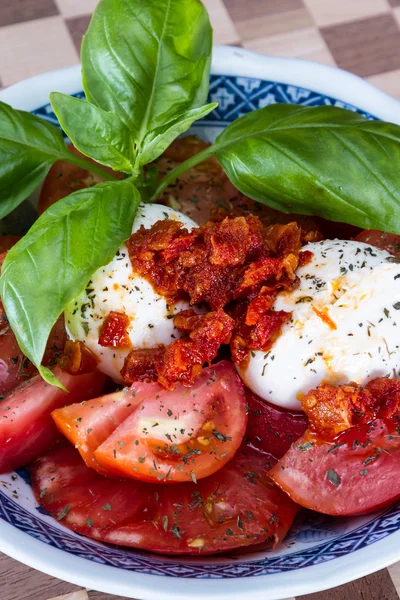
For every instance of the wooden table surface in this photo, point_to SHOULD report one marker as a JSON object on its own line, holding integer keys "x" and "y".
{"x": 362, "y": 36}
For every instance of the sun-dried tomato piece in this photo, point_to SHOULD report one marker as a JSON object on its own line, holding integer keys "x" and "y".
{"x": 258, "y": 307}
{"x": 268, "y": 328}
{"x": 212, "y": 330}
{"x": 387, "y": 395}
{"x": 160, "y": 235}
{"x": 182, "y": 362}
{"x": 258, "y": 273}
{"x": 258, "y": 335}
{"x": 141, "y": 364}
{"x": 305, "y": 257}
{"x": 283, "y": 239}
{"x": 113, "y": 331}
{"x": 183, "y": 359}
{"x": 187, "y": 320}
{"x": 212, "y": 284}
{"x": 232, "y": 241}
{"x": 240, "y": 205}
{"x": 332, "y": 409}
{"x": 77, "y": 358}
{"x": 178, "y": 245}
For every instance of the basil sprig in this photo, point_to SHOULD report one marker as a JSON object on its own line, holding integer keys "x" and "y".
{"x": 323, "y": 161}
{"x": 28, "y": 148}
{"x": 148, "y": 63}
{"x": 53, "y": 263}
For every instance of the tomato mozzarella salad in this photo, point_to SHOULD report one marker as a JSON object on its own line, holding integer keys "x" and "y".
{"x": 225, "y": 370}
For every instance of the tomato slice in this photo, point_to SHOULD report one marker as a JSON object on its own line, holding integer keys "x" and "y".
{"x": 271, "y": 429}
{"x": 236, "y": 507}
{"x": 201, "y": 189}
{"x": 182, "y": 434}
{"x": 380, "y": 239}
{"x": 15, "y": 368}
{"x": 88, "y": 424}
{"x": 178, "y": 435}
{"x": 354, "y": 474}
{"x": 7, "y": 242}
{"x": 26, "y": 426}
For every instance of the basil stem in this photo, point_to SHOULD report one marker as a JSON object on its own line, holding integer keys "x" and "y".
{"x": 172, "y": 175}
{"x": 89, "y": 166}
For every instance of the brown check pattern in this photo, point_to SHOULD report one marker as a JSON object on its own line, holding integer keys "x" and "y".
{"x": 362, "y": 36}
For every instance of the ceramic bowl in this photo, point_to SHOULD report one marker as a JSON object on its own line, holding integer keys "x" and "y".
{"x": 320, "y": 552}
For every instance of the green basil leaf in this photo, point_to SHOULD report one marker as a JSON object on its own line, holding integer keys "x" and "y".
{"x": 147, "y": 62}
{"x": 158, "y": 140}
{"x": 28, "y": 148}
{"x": 96, "y": 133}
{"x": 52, "y": 264}
{"x": 321, "y": 161}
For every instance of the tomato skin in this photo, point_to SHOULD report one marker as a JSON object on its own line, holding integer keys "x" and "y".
{"x": 183, "y": 434}
{"x": 88, "y": 424}
{"x": 7, "y": 242}
{"x": 380, "y": 239}
{"x": 15, "y": 368}
{"x": 271, "y": 429}
{"x": 236, "y": 507}
{"x": 354, "y": 474}
{"x": 26, "y": 426}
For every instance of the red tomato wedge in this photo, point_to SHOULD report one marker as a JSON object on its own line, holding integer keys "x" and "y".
{"x": 271, "y": 429}
{"x": 26, "y": 426}
{"x": 236, "y": 507}
{"x": 380, "y": 239}
{"x": 182, "y": 434}
{"x": 7, "y": 242}
{"x": 15, "y": 368}
{"x": 88, "y": 424}
{"x": 354, "y": 474}
{"x": 178, "y": 435}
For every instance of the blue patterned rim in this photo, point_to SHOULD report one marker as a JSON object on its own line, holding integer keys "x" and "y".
{"x": 236, "y": 96}
{"x": 31, "y": 523}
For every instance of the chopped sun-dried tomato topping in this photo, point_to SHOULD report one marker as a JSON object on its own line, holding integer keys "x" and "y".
{"x": 113, "y": 331}
{"x": 141, "y": 364}
{"x": 332, "y": 409}
{"x": 77, "y": 358}
{"x": 184, "y": 358}
{"x": 236, "y": 267}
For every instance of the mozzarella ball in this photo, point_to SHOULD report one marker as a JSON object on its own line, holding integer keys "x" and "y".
{"x": 116, "y": 287}
{"x": 345, "y": 325}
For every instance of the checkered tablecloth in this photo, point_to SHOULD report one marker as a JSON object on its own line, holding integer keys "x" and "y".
{"x": 362, "y": 36}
